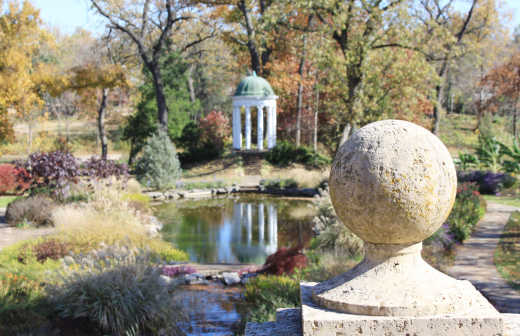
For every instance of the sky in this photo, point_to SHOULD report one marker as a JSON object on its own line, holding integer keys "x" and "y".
{"x": 70, "y": 14}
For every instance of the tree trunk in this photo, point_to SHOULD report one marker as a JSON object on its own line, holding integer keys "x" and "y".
{"x": 437, "y": 108}
{"x": 255, "y": 59}
{"x": 101, "y": 124}
{"x": 300, "y": 93}
{"x": 515, "y": 119}
{"x": 316, "y": 109}
{"x": 162, "y": 108}
{"x": 444, "y": 69}
{"x": 190, "y": 84}
{"x": 354, "y": 81}
{"x": 251, "y": 44}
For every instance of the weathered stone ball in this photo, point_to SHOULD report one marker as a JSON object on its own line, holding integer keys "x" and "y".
{"x": 393, "y": 182}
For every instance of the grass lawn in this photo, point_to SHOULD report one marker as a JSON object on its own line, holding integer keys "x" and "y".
{"x": 506, "y": 200}
{"x": 4, "y": 200}
{"x": 507, "y": 254}
{"x": 457, "y": 132}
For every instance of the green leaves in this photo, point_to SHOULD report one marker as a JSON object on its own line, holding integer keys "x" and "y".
{"x": 158, "y": 167}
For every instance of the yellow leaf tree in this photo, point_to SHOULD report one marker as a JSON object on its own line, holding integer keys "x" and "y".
{"x": 21, "y": 40}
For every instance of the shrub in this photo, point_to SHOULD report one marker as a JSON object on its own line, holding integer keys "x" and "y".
{"x": 109, "y": 218}
{"x": 50, "y": 248}
{"x": 284, "y": 261}
{"x": 19, "y": 258}
{"x": 286, "y": 153}
{"x": 487, "y": 182}
{"x": 162, "y": 251}
{"x": 489, "y": 152}
{"x": 206, "y": 140}
{"x": 158, "y": 167}
{"x": 13, "y": 180}
{"x": 36, "y": 210}
{"x": 96, "y": 167}
{"x": 139, "y": 202}
{"x": 117, "y": 292}
{"x": 202, "y": 185}
{"x": 215, "y": 130}
{"x": 332, "y": 235}
{"x": 20, "y": 299}
{"x": 466, "y": 212}
{"x": 466, "y": 161}
{"x": 52, "y": 172}
{"x": 279, "y": 183}
{"x": 265, "y": 294}
{"x": 17, "y": 291}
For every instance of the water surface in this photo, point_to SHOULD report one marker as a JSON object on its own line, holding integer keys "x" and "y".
{"x": 210, "y": 310}
{"x": 244, "y": 229}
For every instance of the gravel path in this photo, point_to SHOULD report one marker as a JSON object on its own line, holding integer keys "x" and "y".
{"x": 10, "y": 235}
{"x": 474, "y": 260}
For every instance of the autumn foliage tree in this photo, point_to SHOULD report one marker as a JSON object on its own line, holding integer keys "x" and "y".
{"x": 22, "y": 39}
{"x": 502, "y": 87}
{"x": 93, "y": 82}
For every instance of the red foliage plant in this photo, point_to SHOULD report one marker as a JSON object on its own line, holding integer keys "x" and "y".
{"x": 51, "y": 249}
{"x": 284, "y": 261}
{"x": 215, "y": 128}
{"x": 13, "y": 180}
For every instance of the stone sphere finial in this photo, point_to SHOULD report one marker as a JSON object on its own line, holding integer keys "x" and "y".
{"x": 393, "y": 182}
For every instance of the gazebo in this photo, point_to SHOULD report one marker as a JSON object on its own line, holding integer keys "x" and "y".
{"x": 254, "y": 92}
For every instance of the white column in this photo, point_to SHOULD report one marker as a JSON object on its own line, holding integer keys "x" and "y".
{"x": 237, "y": 128}
{"x": 261, "y": 223}
{"x": 274, "y": 124}
{"x": 249, "y": 223}
{"x": 269, "y": 124}
{"x": 260, "y": 127}
{"x": 248, "y": 127}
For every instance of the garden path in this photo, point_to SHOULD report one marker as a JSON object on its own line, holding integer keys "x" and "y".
{"x": 474, "y": 260}
{"x": 10, "y": 235}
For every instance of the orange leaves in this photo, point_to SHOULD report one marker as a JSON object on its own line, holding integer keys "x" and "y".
{"x": 502, "y": 83}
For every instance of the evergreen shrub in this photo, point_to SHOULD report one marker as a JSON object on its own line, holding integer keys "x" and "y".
{"x": 286, "y": 153}
{"x": 158, "y": 167}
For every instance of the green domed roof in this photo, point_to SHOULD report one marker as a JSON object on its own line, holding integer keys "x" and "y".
{"x": 254, "y": 86}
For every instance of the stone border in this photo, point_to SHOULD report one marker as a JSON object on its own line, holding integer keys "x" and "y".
{"x": 158, "y": 196}
{"x": 206, "y": 276}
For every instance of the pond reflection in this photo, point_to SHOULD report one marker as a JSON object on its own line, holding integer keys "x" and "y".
{"x": 241, "y": 230}
{"x": 211, "y": 310}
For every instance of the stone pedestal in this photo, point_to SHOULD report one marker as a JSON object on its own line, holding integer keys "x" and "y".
{"x": 393, "y": 184}
{"x": 479, "y": 319}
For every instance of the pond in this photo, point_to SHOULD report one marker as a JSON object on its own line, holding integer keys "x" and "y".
{"x": 243, "y": 229}
{"x": 211, "y": 310}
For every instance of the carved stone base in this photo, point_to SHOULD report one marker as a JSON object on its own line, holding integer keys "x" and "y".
{"x": 394, "y": 280}
{"x": 481, "y": 320}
